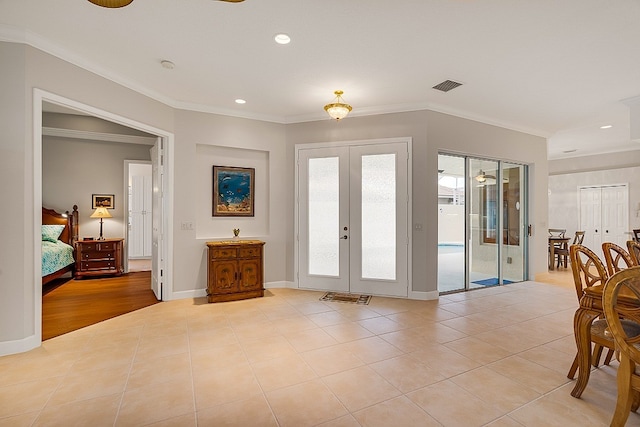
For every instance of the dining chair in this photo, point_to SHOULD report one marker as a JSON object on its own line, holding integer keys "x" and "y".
{"x": 636, "y": 234}
{"x": 634, "y": 251}
{"x": 557, "y": 232}
{"x": 616, "y": 258}
{"x": 588, "y": 270}
{"x": 562, "y": 252}
{"x": 621, "y": 303}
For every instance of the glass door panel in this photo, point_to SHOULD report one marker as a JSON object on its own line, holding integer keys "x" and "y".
{"x": 513, "y": 252}
{"x": 324, "y": 214}
{"x": 483, "y": 221}
{"x": 451, "y": 223}
{"x": 378, "y": 216}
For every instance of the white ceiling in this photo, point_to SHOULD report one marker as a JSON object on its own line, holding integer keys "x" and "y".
{"x": 558, "y": 69}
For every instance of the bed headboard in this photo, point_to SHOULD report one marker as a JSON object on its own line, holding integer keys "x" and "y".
{"x": 69, "y": 220}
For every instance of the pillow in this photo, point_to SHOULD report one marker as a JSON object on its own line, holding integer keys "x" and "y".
{"x": 51, "y": 232}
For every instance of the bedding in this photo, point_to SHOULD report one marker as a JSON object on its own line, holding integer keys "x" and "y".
{"x": 51, "y": 233}
{"x": 55, "y": 256}
{"x": 59, "y": 234}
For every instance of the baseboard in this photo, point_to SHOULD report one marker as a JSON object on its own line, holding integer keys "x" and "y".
{"x": 280, "y": 284}
{"x": 424, "y": 296}
{"x": 19, "y": 346}
{"x": 196, "y": 293}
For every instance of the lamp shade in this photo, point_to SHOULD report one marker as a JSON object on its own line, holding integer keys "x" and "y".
{"x": 338, "y": 109}
{"x": 101, "y": 213}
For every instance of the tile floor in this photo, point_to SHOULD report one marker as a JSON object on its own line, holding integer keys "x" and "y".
{"x": 496, "y": 356}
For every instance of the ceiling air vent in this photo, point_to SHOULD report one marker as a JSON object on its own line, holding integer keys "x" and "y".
{"x": 447, "y": 85}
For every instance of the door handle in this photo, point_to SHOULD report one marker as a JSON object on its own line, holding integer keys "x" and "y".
{"x": 344, "y": 237}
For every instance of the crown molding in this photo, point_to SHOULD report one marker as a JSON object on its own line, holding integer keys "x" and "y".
{"x": 97, "y": 136}
{"x": 17, "y": 35}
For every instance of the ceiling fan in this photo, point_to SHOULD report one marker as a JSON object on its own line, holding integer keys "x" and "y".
{"x": 112, "y": 4}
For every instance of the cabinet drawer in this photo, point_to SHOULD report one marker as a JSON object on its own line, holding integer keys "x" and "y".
{"x": 106, "y": 246}
{"x": 97, "y": 255}
{"x": 98, "y": 246}
{"x": 98, "y": 265}
{"x": 250, "y": 252}
{"x": 224, "y": 253}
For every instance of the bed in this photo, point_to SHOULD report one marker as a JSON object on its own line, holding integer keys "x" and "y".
{"x": 59, "y": 233}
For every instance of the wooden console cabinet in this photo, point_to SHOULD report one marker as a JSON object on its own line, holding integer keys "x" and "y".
{"x": 99, "y": 258}
{"x": 235, "y": 270}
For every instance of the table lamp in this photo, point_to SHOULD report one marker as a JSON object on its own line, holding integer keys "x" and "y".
{"x": 101, "y": 212}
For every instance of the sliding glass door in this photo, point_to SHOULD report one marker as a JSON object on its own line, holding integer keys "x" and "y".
{"x": 481, "y": 223}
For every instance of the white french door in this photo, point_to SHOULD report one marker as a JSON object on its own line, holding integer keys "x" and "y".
{"x": 353, "y": 218}
{"x": 604, "y": 215}
{"x": 157, "y": 221}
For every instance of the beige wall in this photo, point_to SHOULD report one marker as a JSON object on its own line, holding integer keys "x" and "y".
{"x": 26, "y": 68}
{"x": 432, "y": 132}
{"x": 227, "y": 136}
{"x": 73, "y": 170}
{"x": 16, "y": 287}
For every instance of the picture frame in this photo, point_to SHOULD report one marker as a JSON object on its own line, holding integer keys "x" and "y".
{"x": 233, "y": 191}
{"x": 103, "y": 200}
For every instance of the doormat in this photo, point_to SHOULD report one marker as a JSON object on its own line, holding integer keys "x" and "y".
{"x": 491, "y": 282}
{"x": 349, "y": 298}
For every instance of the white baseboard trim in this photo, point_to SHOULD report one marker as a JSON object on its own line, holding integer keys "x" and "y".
{"x": 424, "y": 296}
{"x": 280, "y": 284}
{"x": 19, "y": 346}
{"x": 196, "y": 293}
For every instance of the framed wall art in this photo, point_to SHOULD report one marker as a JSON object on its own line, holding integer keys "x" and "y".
{"x": 102, "y": 201}
{"x": 233, "y": 191}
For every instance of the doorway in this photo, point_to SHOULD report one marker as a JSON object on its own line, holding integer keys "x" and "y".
{"x": 482, "y": 212}
{"x": 352, "y": 216}
{"x": 164, "y": 144}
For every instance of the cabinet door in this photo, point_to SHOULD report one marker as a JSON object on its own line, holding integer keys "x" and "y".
{"x": 250, "y": 274}
{"x": 223, "y": 280}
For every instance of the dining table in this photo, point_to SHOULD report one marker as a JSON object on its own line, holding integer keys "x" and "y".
{"x": 554, "y": 243}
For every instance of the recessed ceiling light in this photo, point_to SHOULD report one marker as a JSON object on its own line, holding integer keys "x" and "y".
{"x": 282, "y": 38}
{"x": 606, "y": 127}
{"x": 167, "y": 64}
{"x": 240, "y": 101}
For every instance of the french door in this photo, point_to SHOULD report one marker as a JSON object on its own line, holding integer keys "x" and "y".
{"x": 604, "y": 215}
{"x": 353, "y": 218}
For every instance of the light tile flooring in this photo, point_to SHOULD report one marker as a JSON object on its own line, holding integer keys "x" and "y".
{"x": 496, "y": 356}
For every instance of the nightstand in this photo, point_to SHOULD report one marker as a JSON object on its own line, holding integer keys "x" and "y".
{"x": 99, "y": 258}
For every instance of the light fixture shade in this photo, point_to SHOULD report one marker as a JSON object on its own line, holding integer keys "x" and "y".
{"x": 481, "y": 177}
{"x": 101, "y": 213}
{"x": 112, "y": 4}
{"x": 338, "y": 109}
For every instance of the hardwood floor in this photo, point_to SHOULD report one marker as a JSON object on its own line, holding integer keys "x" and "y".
{"x": 69, "y": 304}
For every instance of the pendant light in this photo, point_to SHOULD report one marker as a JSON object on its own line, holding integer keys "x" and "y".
{"x": 338, "y": 109}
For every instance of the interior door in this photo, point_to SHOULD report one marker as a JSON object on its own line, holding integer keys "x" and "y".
{"x": 353, "y": 219}
{"x": 156, "y": 221}
{"x": 615, "y": 215}
{"x": 140, "y": 216}
{"x": 590, "y": 218}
